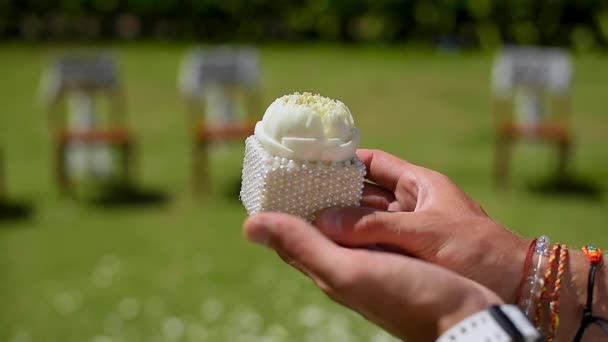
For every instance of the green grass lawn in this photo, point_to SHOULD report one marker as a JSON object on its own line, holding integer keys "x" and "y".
{"x": 76, "y": 272}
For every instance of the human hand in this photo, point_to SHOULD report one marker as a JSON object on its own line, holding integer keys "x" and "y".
{"x": 427, "y": 216}
{"x": 409, "y": 298}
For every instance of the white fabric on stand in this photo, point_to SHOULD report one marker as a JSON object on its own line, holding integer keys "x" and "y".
{"x": 84, "y": 160}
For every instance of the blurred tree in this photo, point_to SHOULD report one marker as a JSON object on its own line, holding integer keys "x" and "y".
{"x": 485, "y": 23}
{"x": 582, "y": 38}
{"x": 601, "y": 20}
{"x": 6, "y": 13}
{"x": 72, "y": 7}
{"x": 104, "y": 6}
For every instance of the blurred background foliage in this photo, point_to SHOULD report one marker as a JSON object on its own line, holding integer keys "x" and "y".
{"x": 581, "y": 24}
{"x": 182, "y": 271}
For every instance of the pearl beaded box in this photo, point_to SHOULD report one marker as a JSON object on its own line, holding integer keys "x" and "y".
{"x": 271, "y": 183}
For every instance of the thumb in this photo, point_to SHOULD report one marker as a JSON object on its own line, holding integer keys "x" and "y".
{"x": 296, "y": 240}
{"x": 361, "y": 226}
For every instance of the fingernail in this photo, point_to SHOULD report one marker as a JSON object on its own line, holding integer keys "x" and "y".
{"x": 261, "y": 234}
{"x": 330, "y": 222}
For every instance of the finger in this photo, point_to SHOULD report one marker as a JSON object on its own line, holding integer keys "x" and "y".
{"x": 386, "y": 170}
{"x": 362, "y": 226}
{"x": 299, "y": 242}
{"x": 393, "y": 174}
{"x": 376, "y": 197}
{"x": 294, "y": 264}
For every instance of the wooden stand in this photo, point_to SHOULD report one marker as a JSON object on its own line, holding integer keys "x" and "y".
{"x": 231, "y": 75}
{"x": 117, "y": 138}
{"x": 203, "y": 136}
{"x": 539, "y": 81}
{"x": 86, "y": 78}
{"x": 509, "y": 133}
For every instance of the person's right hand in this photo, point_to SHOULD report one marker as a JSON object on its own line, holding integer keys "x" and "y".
{"x": 424, "y": 214}
{"x": 410, "y": 298}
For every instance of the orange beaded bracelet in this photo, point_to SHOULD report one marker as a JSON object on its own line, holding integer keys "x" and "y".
{"x": 554, "y": 302}
{"x": 546, "y": 279}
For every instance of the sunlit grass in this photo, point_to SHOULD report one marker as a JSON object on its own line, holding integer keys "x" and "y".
{"x": 183, "y": 272}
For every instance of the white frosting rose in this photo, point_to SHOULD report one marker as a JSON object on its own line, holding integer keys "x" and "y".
{"x": 308, "y": 127}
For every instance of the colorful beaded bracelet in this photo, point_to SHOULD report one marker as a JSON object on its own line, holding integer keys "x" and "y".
{"x": 594, "y": 255}
{"x": 532, "y": 285}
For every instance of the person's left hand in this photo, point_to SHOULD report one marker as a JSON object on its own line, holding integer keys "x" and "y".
{"x": 407, "y": 297}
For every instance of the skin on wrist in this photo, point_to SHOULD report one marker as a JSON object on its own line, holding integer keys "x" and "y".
{"x": 574, "y": 297}
{"x": 517, "y": 255}
{"x": 510, "y": 257}
{"x": 472, "y": 303}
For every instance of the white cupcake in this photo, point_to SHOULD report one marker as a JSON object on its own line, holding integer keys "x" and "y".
{"x": 302, "y": 158}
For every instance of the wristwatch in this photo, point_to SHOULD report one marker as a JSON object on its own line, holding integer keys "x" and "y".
{"x": 496, "y": 323}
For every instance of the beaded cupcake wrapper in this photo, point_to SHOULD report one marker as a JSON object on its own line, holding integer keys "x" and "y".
{"x": 271, "y": 183}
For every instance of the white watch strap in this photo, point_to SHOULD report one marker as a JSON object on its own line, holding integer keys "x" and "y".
{"x": 521, "y": 322}
{"x": 483, "y": 327}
